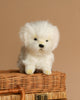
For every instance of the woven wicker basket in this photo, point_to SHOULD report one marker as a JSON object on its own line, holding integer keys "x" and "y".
{"x": 35, "y": 86}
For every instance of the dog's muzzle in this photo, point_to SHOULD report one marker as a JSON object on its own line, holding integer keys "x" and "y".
{"x": 41, "y": 45}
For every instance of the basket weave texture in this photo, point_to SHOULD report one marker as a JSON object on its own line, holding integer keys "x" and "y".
{"x": 35, "y": 83}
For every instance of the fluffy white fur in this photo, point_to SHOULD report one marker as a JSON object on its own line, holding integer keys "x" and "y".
{"x": 33, "y": 56}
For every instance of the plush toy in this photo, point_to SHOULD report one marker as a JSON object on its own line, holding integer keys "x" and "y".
{"x": 40, "y": 38}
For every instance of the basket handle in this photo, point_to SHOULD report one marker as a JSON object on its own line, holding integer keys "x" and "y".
{"x": 17, "y": 90}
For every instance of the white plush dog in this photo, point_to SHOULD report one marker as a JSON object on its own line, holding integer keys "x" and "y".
{"x": 40, "y": 38}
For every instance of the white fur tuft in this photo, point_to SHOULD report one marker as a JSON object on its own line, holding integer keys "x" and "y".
{"x": 56, "y": 37}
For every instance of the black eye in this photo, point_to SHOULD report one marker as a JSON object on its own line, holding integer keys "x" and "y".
{"x": 35, "y": 39}
{"x": 46, "y": 40}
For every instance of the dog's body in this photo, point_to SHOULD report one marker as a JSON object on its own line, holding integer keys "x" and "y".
{"x": 35, "y": 61}
{"x": 40, "y": 39}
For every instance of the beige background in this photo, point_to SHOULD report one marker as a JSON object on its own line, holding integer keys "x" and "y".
{"x": 63, "y": 13}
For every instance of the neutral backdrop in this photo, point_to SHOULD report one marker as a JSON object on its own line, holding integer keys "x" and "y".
{"x": 63, "y": 13}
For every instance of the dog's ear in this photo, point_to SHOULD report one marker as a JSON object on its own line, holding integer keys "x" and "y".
{"x": 24, "y": 33}
{"x": 55, "y": 37}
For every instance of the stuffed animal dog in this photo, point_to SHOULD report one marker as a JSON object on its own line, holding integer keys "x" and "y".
{"x": 40, "y": 38}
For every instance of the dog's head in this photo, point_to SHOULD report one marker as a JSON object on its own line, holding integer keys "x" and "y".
{"x": 40, "y": 36}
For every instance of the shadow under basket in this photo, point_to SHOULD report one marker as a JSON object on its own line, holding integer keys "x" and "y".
{"x": 38, "y": 86}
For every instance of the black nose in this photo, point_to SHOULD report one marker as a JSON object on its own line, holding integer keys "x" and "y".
{"x": 41, "y": 45}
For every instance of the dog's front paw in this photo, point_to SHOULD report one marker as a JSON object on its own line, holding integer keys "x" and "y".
{"x": 29, "y": 71}
{"x": 47, "y": 72}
